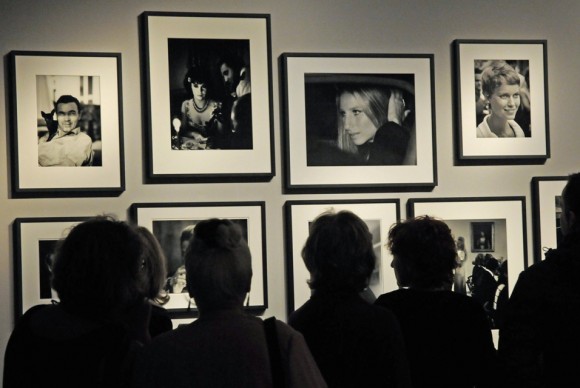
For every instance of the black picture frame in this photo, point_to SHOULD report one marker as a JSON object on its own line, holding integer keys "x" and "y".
{"x": 483, "y": 236}
{"x": 528, "y": 59}
{"x": 33, "y": 241}
{"x": 379, "y": 215}
{"x": 166, "y": 221}
{"x": 37, "y": 80}
{"x": 316, "y": 160}
{"x": 546, "y": 199}
{"x": 217, "y": 149}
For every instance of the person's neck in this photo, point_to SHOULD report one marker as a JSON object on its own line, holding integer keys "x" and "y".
{"x": 499, "y": 126}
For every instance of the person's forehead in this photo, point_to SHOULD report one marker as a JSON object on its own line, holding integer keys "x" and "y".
{"x": 66, "y": 107}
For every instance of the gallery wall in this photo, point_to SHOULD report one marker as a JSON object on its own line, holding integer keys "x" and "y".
{"x": 337, "y": 26}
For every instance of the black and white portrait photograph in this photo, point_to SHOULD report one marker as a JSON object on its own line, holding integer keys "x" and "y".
{"x": 67, "y": 112}
{"x": 501, "y": 92}
{"x": 502, "y": 98}
{"x": 69, "y": 120}
{"x": 378, "y": 215}
{"x": 208, "y": 93}
{"x": 358, "y": 121}
{"x": 173, "y": 225}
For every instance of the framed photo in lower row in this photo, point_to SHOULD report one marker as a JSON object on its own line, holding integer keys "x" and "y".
{"x": 67, "y": 124}
{"x": 359, "y": 122}
{"x": 546, "y": 210}
{"x": 34, "y": 243}
{"x": 379, "y": 215}
{"x": 481, "y": 272}
{"x": 172, "y": 224}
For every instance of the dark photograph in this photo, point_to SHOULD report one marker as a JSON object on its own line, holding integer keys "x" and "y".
{"x": 483, "y": 276}
{"x": 502, "y": 98}
{"x": 482, "y": 236}
{"x": 45, "y": 262}
{"x": 558, "y": 203}
{"x": 68, "y": 121}
{"x": 174, "y": 237}
{"x": 210, "y": 94}
{"x": 360, "y": 119}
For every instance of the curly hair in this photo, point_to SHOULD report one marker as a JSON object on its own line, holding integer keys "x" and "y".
{"x": 339, "y": 252}
{"x": 218, "y": 265}
{"x": 427, "y": 251}
{"x": 98, "y": 269}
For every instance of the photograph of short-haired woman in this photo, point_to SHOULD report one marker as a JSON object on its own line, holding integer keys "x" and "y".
{"x": 502, "y": 98}
{"x": 360, "y": 119}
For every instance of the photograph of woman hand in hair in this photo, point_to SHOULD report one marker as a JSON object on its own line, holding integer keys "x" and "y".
{"x": 360, "y": 120}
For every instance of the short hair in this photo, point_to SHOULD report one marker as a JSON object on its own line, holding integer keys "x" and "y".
{"x": 339, "y": 252}
{"x": 99, "y": 268}
{"x": 66, "y": 99}
{"x": 426, "y": 247}
{"x": 496, "y": 74}
{"x": 218, "y": 265}
{"x": 154, "y": 266}
{"x": 376, "y": 103}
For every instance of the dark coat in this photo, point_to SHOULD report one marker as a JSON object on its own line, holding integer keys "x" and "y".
{"x": 540, "y": 338}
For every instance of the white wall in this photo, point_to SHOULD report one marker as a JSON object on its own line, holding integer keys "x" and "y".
{"x": 364, "y": 26}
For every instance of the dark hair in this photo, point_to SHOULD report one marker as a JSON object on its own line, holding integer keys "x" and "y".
{"x": 99, "y": 269}
{"x": 218, "y": 265}
{"x": 496, "y": 74}
{"x": 195, "y": 75}
{"x": 571, "y": 195}
{"x": 339, "y": 252}
{"x": 154, "y": 266}
{"x": 66, "y": 99}
{"x": 234, "y": 61}
{"x": 426, "y": 248}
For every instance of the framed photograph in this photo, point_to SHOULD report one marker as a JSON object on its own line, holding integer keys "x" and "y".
{"x": 66, "y": 128}
{"x": 172, "y": 224}
{"x": 34, "y": 244}
{"x": 482, "y": 236}
{"x": 379, "y": 215}
{"x": 482, "y": 272}
{"x": 208, "y": 96}
{"x": 367, "y": 118}
{"x": 546, "y": 210}
{"x": 502, "y": 101}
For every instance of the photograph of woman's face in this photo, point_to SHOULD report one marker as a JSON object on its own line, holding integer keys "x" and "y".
{"x": 198, "y": 90}
{"x": 505, "y": 101}
{"x": 357, "y": 124}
